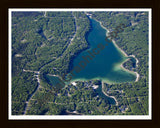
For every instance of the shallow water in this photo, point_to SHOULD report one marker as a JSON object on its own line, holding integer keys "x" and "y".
{"x": 103, "y": 64}
{"x": 106, "y": 64}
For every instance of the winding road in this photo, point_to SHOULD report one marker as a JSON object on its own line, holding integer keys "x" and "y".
{"x": 38, "y": 72}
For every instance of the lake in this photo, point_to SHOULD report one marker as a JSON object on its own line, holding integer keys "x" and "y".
{"x": 106, "y": 65}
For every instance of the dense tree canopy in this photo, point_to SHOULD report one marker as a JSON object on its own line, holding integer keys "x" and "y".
{"x": 47, "y": 42}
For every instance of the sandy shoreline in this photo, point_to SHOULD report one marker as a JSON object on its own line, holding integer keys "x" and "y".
{"x": 137, "y": 61}
{"x": 112, "y": 39}
{"x": 108, "y": 95}
{"x": 123, "y": 53}
{"x": 130, "y": 71}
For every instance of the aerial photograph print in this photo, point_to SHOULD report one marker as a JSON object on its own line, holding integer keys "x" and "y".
{"x": 79, "y": 63}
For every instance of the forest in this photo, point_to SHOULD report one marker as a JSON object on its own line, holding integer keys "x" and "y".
{"x": 134, "y": 41}
{"x": 47, "y": 43}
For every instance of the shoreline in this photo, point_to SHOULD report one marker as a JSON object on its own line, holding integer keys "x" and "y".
{"x": 138, "y": 76}
{"x": 137, "y": 61}
{"x": 108, "y": 95}
{"x": 114, "y": 42}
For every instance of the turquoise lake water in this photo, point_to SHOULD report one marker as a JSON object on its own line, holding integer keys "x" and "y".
{"x": 105, "y": 65}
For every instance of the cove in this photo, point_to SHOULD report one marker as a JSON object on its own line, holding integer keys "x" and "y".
{"x": 106, "y": 65}
{"x": 54, "y": 81}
